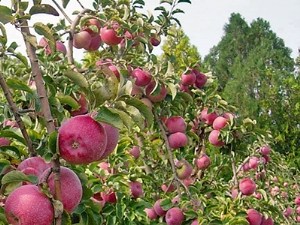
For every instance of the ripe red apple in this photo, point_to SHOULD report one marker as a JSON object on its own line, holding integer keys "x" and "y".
{"x": 234, "y": 193}
{"x": 71, "y": 188}
{"x": 158, "y": 209}
{"x": 109, "y": 197}
{"x": 135, "y": 151}
{"x": 157, "y": 95}
{"x": 81, "y": 140}
{"x": 203, "y": 162}
{"x": 136, "y": 189}
{"x": 82, "y": 39}
{"x": 151, "y": 214}
{"x": 142, "y": 77}
{"x": 246, "y": 167}
{"x": 83, "y": 106}
{"x": 112, "y": 134}
{"x": 219, "y": 123}
{"x": 188, "y": 78}
{"x": 253, "y": 162}
{"x": 201, "y": 79}
{"x": 155, "y": 40}
{"x": 298, "y": 210}
{"x": 4, "y": 141}
{"x": 168, "y": 188}
{"x": 265, "y": 150}
{"x": 109, "y": 34}
{"x": 288, "y": 211}
{"x": 94, "y": 44}
{"x": 27, "y": 205}
{"x": 208, "y": 118}
{"x": 247, "y": 186}
{"x": 33, "y": 166}
{"x": 92, "y": 26}
{"x": 268, "y": 221}
{"x": 183, "y": 169}
{"x": 174, "y": 216}
{"x": 10, "y": 123}
{"x": 177, "y": 140}
{"x": 195, "y": 222}
{"x": 254, "y": 217}
{"x": 59, "y": 46}
{"x": 213, "y": 138}
{"x": 175, "y": 124}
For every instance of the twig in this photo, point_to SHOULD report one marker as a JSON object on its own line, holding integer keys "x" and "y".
{"x": 14, "y": 109}
{"x": 234, "y": 169}
{"x": 80, "y": 4}
{"x": 62, "y": 11}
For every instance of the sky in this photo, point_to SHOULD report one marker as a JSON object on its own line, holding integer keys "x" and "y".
{"x": 204, "y": 20}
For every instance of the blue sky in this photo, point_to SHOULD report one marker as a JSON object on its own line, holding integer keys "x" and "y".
{"x": 204, "y": 20}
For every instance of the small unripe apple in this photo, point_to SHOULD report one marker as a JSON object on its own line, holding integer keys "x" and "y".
{"x": 183, "y": 169}
{"x": 174, "y": 216}
{"x": 257, "y": 195}
{"x": 155, "y": 40}
{"x": 177, "y": 140}
{"x": 247, "y": 186}
{"x": 158, "y": 209}
{"x": 188, "y": 78}
{"x": 135, "y": 151}
{"x": 208, "y": 118}
{"x": 109, "y": 35}
{"x": 213, "y": 138}
{"x": 136, "y": 189}
{"x": 157, "y": 95}
{"x": 268, "y": 221}
{"x": 275, "y": 191}
{"x": 82, "y": 39}
{"x": 151, "y": 214}
{"x": 203, "y": 162}
{"x": 27, "y": 205}
{"x": 254, "y": 217}
{"x": 175, "y": 124}
{"x": 142, "y": 77}
{"x": 219, "y": 123}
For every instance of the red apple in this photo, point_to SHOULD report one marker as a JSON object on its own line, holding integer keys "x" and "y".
{"x": 219, "y": 123}
{"x": 298, "y": 210}
{"x": 155, "y": 40}
{"x": 4, "y": 141}
{"x": 109, "y": 35}
{"x": 151, "y": 214}
{"x": 82, "y": 39}
{"x": 168, "y": 188}
{"x": 109, "y": 197}
{"x": 135, "y": 151}
{"x": 188, "y": 78}
{"x": 142, "y": 77}
{"x": 177, "y": 140}
{"x": 183, "y": 169}
{"x": 247, "y": 186}
{"x": 136, "y": 189}
{"x": 288, "y": 212}
{"x": 92, "y": 26}
{"x": 208, "y": 118}
{"x": 83, "y": 106}
{"x": 27, "y": 205}
{"x": 267, "y": 221}
{"x": 33, "y": 166}
{"x": 147, "y": 102}
{"x": 175, "y": 124}
{"x": 112, "y": 134}
{"x": 265, "y": 150}
{"x": 195, "y": 222}
{"x": 254, "y": 217}
{"x": 94, "y": 44}
{"x": 213, "y": 138}
{"x": 158, "y": 209}
{"x": 203, "y": 162}
{"x": 174, "y": 216}
{"x": 158, "y": 94}
{"x": 253, "y": 162}
{"x": 81, "y": 140}
{"x": 201, "y": 79}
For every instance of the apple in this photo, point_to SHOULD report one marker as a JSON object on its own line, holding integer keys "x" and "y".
{"x": 135, "y": 151}
{"x": 136, "y": 189}
{"x": 247, "y": 186}
{"x": 254, "y": 217}
{"x": 97, "y": 199}
{"x": 94, "y": 44}
{"x": 177, "y": 140}
{"x": 206, "y": 117}
{"x": 174, "y": 216}
{"x": 265, "y": 150}
{"x": 298, "y": 210}
{"x": 213, "y": 138}
{"x": 203, "y": 162}
{"x": 147, "y": 102}
{"x": 175, "y": 124}
{"x": 61, "y": 47}
{"x": 201, "y": 79}
{"x": 58, "y": 44}
{"x": 158, "y": 209}
{"x": 33, "y": 166}
{"x": 253, "y": 162}
{"x": 195, "y": 222}
{"x": 92, "y": 26}
{"x": 219, "y": 123}
{"x": 184, "y": 88}
{"x": 27, "y": 205}
{"x": 142, "y": 77}
{"x": 267, "y": 221}
{"x": 83, "y": 106}
{"x": 288, "y": 212}
{"x": 71, "y": 188}
{"x": 82, "y": 39}
{"x": 168, "y": 188}
{"x": 183, "y": 169}
{"x": 81, "y": 140}
{"x": 234, "y": 193}
{"x": 257, "y": 195}
{"x": 188, "y": 78}
{"x": 109, "y": 35}
{"x": 10, "y": 123}
{"x": 4, "y": 141}
{"x": 246, "y": 167}
{"x": 155, "y": 40}
{"x": 112, "y": 134}
{"x": 109, "y": 196}
{"x": 151, "y": 214}
{"x": 158, "y": 94}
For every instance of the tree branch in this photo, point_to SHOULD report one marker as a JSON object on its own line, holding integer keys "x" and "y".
{"x": 62, "y": 11}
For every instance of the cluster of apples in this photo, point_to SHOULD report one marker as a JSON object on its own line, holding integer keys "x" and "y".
{"x": 176, "y": 128}
{"x": 18, "y": 205}
{"x": 192, "y": 78}
{"x": 256, "y": 218}
{"x": 173, "y": 216}
{"x": 60, "y": 47}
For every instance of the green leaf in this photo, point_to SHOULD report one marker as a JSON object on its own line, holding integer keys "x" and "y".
{"x": 52, "y": 142}
{"x": 238, "y": 221}
{"x": 177, "y": 11}
{"x": 77, "y": 78}
{"x": 3, "y": 37}
{"x": 144, "y": 110}
{"x": 166, "y": 204}
{"x": 66, "y": 218}
{"x": 68, "y": 100}
{"x": 166, "y": 1}
{"x": 22, "y": 58}
{"x": 43, "y": 8}
{"x": 5, "y": 14}
{"x": 37, "y": 2}
{"x": 125, "y": 117}
{"x": 186, "y": 1}
{"x": 11, "y": 148}
{"x": 3, "y": 163}
{"x": 108, "y": 116}
{"x": 11, "y": 134}
{"x": 45, "y": 31}
{"x": 65, "y": 3}
{"x": 18, "y": 85}
{"x": 14, "y": 177}
{"x": 173, "y": 90}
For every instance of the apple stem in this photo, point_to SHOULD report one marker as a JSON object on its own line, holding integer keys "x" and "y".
{"x": 14, "y": 109}
{"x": 62, "y": 11}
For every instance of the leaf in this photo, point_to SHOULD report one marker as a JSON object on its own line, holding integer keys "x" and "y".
{"x": 65, "y": 3}
{"x": 11, "y": 148}
{"x": 18, "y": 85}
{"x": 52, "y": 142}
{"x": 43, "y": 8}
{"x": 11, "y": 134}
{"x": 68, "y": 100}
{"x": 3, "y": 163}
{"x": 144, "y": 109}
{"x": 37, "y": 2}
{"x": 66, "y": 218}
{"x": 186, "y": 1}
{"x": 166, "y": 1}
{"x": 77, "y": 78}
{"x": 14, "y": 177}
{"x": 45, "y": 31}
{"x": 126, "y": 119}
{"x": 3, "y": 37}
{"x": 22, "y": 58}
{"x": 177, "y": 11}
{"x": 173, "y": 90}
{"x": 5, "y": 14}
{"x": 108, "y": 116}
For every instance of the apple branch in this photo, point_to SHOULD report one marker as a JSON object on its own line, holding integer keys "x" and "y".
{"x": 15, "y": 111}
{"x": 62, "y": 11}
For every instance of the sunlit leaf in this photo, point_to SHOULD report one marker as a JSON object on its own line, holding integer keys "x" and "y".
{"x": 44, "y": 9}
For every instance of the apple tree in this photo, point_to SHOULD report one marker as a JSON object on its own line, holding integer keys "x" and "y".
{"x": 120, "y": 135}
